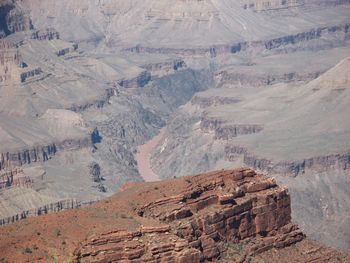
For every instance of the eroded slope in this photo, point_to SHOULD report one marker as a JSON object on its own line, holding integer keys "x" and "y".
{"x": 196, "y": 221}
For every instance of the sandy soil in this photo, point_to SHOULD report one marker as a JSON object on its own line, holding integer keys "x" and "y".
{"x": 143, "y": 157}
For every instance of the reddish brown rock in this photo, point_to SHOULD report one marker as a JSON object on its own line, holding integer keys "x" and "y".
{"x": 208, "y": 211}
{"x": 191, "y": 219}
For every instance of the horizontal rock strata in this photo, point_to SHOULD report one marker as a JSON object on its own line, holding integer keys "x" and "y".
{"x": 138, "y": 82}
{"x": 194, "y": 225}
{"x": 167, "y": 66}
{"x": 340, "y": 32}
{"x": 227, "y": 215}
{"x": 226, "y": 131}
{"x": 235, "y": 78}
{"x": 15, "y": 178}
{"x": 46, "y": 209}
{"x": 324, "y": 163}
{"x": 204, "y": 102}
{"x": 41, "y": 153}
{"x": 48, "y": 34}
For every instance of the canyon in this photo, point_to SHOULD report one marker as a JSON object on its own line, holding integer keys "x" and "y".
{"x": 98, "y": 96}
{"x": 143, "y": 158}
{"x": 201, "y": 218}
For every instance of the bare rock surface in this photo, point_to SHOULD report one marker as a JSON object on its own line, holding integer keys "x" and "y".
{"x": 84, "y": 83}
{"x": 297, "y": 129}
{"x": 193, "y": 219}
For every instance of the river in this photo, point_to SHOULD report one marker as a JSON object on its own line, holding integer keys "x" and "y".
{"x": 143, "y": 158}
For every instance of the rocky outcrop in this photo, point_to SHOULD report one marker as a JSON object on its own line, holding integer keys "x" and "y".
{"x": 48, "y": 34}
{"x": 204, "y": 102}
{"x": 12, "y": 67}
{"x": 14, "y": 178}
{"x": 292, "y": 42}
{"x": 41, "y": 153}
{"x": 13, "y": 19}
{"x": 213, "y": 51}
{"x": 190, "y": 219}
{"x": 195, "y": 223}
{"x": 10, "y": 61}
{"x": 28, "y": 74}
{"x": 241, "y": 79}
{"x": 67, "y": 50}
{"x": 225, "y": 131}
{"x": 46, "y": 209}
{"x": 182, "y": 16}
{"x": 138, "y": 82}
{"x": 167, "y": 66}
{"x": 97, "y": 103}
{"x": 259, "y": 5}
{"x": 307, "y": 36}
{"x": 95, "y": 173}
{"x": 324, "y": 163}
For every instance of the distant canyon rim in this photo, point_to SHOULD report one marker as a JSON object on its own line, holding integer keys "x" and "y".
{"x": 98, "y": 94}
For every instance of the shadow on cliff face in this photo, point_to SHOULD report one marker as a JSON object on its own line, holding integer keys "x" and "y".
{"x": 12, "y": 19}
{"x": 4, "y": 10}
{"x": 96, "y": 137}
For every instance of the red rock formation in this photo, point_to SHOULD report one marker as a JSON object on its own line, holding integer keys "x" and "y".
{"x": 190, "y": 219}
{"x": 208, "y": 211}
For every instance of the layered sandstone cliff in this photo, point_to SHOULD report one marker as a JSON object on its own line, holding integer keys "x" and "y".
{"x": 192, "y": 219}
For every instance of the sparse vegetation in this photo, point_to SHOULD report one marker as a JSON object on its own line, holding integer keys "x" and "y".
{"x": 58, "y": 232}
{"x": 28, "y": 250}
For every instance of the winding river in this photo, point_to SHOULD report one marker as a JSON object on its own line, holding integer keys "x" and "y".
{"x": 143, "y": 158}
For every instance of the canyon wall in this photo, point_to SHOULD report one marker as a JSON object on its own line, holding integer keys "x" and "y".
{"x": 41, "y": 153}
{"x": 262, "y": 5}
{"x": 138, "y": 82}
{"x": 225, "y": 131}
{"x": 48, "y": 34}
{"x": 46, "y": 209}
{"x": 15, "y": 178}
{"x": 222, "y": 216}
{"x": 259, "y": 5}
{"x": 299, "y": 41}
{"x": 195, "y": 223}
{"x": 10, "y": 61}
{"x": 13, "y": 19}
{"x": 340, "y": 161}
{"x": 236, "y": 78}
{"x": 205, "y": 102}
{"x": 168, "y": 66}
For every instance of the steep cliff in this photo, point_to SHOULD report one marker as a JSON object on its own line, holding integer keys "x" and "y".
{"x": 298, "y": 130}
{"x": 46, "y": 209}
{"x": 337, "y": 162}
{"x": 202, "y": 219}
{"x": 207, "y": 26}
{"x": 13, "y": 18}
